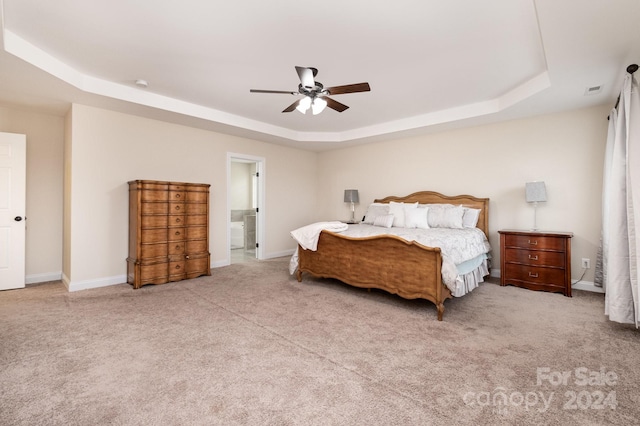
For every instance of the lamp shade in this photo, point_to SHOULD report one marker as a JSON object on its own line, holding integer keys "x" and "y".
{"x": 351, "y": 196}
{"x": 535, "y": 192}
{"x": 318, "y": 105}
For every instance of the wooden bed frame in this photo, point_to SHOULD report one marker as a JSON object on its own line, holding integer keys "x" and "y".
{"x": 408, "y": 269}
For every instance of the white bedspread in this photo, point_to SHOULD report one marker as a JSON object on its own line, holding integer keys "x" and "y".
{"x": 308, "y": 237}
{"x": 456, "y": 246}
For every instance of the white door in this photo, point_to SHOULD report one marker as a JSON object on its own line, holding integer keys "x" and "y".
{"x": 13, "y": 164}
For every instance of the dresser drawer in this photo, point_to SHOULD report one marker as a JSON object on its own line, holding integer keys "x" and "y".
{"x": 196, "y": 246}
{"x": 154, "y": 208}
{"x": 176, "y": 268}
{"x": 196, "y": 232}
{"x": 153, "y": 221}
{"x": 153, "y": 192}
{"x": 155, "y": 235}
{"x": 148, "y": 251}
{"x": 196, "y": 219}
{"x": 176, "y": 248}
{"x": 197, "y": 196}
{"x": 177, "y": 195}
{"x": 153, "y": 272}
{"x": 177, "y": 234}
{"x": 535, "y": 242}
{"x": 176, "y": 220}
{"x": 534, "y": 274}
{"x": 176, "y": 207}
{"x": 535, "y": 258}
{"x": 197, "y": 265}
{"x": 196, "y": 208}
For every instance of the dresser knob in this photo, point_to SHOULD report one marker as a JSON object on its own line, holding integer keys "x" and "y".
{"x": 532, "y": 275}
{"x": 534, "y": 242}
{"x": 177, "y": 266}
{"x": 177, "y": 195}
{"x": 177, "y": 220}
{"x": 177, "y": 232}
{"x": 533, "y": 257}
{"x": 186, "y": 257}
{"x": 178, "y": 247}
{"x": 177, "y": 207}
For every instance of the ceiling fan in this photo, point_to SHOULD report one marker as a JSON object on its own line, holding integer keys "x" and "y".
{"x": 315, "y": 95}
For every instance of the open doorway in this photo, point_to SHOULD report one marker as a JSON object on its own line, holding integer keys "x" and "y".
{"x": 244, "y": 201}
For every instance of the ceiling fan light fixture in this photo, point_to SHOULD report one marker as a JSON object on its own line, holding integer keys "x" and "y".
{"x": 304, "y": 104}
{"x": 318, "y": 105}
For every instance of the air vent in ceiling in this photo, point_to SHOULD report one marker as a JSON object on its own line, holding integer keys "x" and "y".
{"x": 592, "y": 90}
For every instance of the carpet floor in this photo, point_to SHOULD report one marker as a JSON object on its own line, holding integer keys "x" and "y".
{"x": 251, "y": 345}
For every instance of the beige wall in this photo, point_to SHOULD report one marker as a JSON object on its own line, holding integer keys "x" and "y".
{"x": 104, "y": 149}
{"x": 44, "y": 189}
{"x": 111, "y": 148}
{"x": 565, "y": 150}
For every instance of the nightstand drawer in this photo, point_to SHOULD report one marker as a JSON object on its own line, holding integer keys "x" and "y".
{"x": 534, "y": 274}
{"x": 535, "y": 242}
{"x": 535, "y": 258}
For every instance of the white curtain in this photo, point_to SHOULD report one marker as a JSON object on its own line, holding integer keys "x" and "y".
{"x": 621, "y": 209}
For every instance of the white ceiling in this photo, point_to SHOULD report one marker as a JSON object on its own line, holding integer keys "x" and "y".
{"x": 431, "y": 64}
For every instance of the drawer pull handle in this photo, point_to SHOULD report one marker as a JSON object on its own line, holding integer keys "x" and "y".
{"x": 177, "y": 232}
{"x": 177, "y": 195}
{"x": 177, "y": 266}
{"x": 533, "y": 243}
{"x": 177, "y": 220}
{"x": 177, "y": 207}
{"x": 532, "y": 275}
{"x": 178, "y": 247}
{"x": 186, "y": 257}
{"x": 533, "y": 257}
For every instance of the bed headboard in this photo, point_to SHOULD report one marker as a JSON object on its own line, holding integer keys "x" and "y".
{"x": 430, "y": 197}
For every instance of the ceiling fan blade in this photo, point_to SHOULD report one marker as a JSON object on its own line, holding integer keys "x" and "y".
{"x": 306, "y": 76}
{"x": 273, "y": 91}
{"x": 348, "y": 88}
{"x": 292, "y": 106}
{"x": 334, "y": 104}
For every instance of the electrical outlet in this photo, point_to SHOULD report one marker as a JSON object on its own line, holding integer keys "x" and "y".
{"x": 586, "y": 263}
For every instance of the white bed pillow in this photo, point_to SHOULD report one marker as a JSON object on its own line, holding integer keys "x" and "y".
{"x": 374, "y": 210}
{"x": 416, "y": 218}
{"x": 384, "y": 220}
{"x": 398, "y": 212}
{"x": 445, "y": 216}
{"x": 470, "y": 217}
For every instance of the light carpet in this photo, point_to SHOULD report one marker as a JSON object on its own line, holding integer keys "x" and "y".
{"x": 251, "y": 345}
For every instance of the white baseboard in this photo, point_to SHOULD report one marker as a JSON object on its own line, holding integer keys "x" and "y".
{"x": 220, "y": 264}
{"x": 96, "y": 283}
{"x": 43, "y": 278}
{"x": 587, "y": 286}
{"x": 280, "y": 254}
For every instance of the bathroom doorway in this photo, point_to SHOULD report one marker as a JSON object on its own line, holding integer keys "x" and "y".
{"x": 245, "y": 186}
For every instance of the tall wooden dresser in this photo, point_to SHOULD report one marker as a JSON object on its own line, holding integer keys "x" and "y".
{"x": 168, "y": 232}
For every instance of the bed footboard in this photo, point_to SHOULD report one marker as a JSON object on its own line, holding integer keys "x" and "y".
{"x": 385, "y": 262}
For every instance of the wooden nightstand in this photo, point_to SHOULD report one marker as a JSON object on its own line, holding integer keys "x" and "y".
{"x": 536, "y": 260}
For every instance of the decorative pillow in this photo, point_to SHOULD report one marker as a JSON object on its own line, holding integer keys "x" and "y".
{"x": 416, "y": 218}
{"x": 470, "y": 217}
{"x": 385, "y": 221}
{"x": 398, "y": 212}
{"x": 445, "y": 216}
{"x": 374, "y": 210}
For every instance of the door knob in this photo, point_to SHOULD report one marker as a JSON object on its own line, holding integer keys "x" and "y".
{"x": 17, "y": 218}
